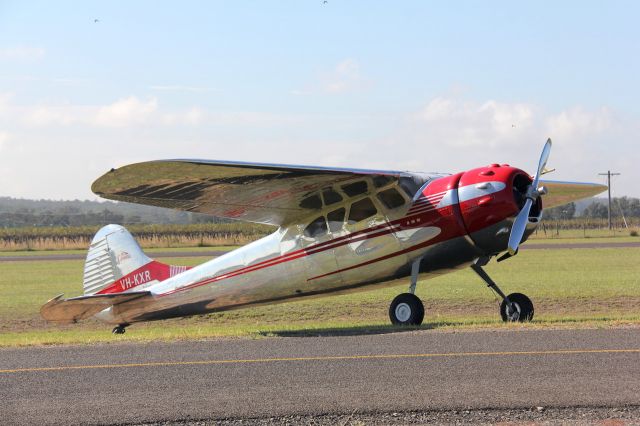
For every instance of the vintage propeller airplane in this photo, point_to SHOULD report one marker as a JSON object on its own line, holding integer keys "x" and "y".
{"x": 339, "y": 230}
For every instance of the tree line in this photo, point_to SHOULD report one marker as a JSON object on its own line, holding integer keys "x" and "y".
{"x": 19, "y": 213}
{"x": 627, "y": 207}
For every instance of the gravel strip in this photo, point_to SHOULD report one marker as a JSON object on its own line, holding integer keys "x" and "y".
{"x": 610, "y": 416}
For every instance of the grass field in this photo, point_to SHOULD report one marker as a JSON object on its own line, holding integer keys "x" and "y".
{"x": 588, "y": 287}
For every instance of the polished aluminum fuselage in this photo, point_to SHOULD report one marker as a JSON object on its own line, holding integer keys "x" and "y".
{"x": 287, "y": 264}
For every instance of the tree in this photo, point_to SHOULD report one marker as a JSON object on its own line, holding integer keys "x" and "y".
{"x": 596, "y": 210}
{"x": 564, "y": 212}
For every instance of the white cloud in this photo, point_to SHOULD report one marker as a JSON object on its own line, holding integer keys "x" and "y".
{"x": 577, "y": 123}
{"x": 344, "y": 78}
{"x": 471, "y": 123}
{"x": 125, "y": 112}
{"x": 4, "y": 137}
{"x": 450, "y": 133}
{"x": 21, "y": 53}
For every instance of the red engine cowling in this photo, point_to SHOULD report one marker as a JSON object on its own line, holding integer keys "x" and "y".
{"x": 490, "y": 198}
{"x": 480, "y": 203}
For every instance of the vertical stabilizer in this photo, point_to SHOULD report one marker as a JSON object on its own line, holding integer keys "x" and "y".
{"x": 113, "y": 254}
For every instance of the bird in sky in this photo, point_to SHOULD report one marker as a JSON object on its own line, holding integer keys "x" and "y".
{"x": 96, "y": 20}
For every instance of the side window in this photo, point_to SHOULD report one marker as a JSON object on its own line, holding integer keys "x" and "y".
{"x": 360, "y": 210}
{"x": 330, "y": 196}
{"x": 379, "y": 180}
{"x": 391, "y": 198}
{"x": 355, "y": 188}
{"x": 312, "y": 202}
{"x": 336, "y": 219}
{"x": 316, "y": 228}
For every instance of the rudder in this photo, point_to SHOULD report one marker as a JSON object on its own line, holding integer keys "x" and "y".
{"x": 116, "y": 263}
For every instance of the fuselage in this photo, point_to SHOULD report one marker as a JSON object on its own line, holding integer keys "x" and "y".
{"x": 355, "y": 237}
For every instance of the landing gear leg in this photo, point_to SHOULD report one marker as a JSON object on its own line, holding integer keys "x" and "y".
{"x": 514, "y": 307}
{"x": 119, "y": 329}
{"x": 407, "y": 308}
{"x": 415, "y": 269}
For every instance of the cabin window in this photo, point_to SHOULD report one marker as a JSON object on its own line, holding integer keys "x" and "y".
{"x": 355, "y": 188}
{"x": 336, "y": 219}
{"x": 361, "y": 210}
{"x": 330, "y": 196}
{"x": 311, "y": 202}
{"x": 391, "y": 198}
{"x": 316, "y": 228}
{"x": 379, "y": 181}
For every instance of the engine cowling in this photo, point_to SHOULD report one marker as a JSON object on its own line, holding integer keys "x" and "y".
{"x": 490, "y": 198}
{"x": 482, "y": 204}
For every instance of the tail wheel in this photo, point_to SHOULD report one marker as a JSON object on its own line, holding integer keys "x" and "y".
{"x": 523, "y": 308}
{"x": 120, "y": 329}
{"x": 406, "y": 309}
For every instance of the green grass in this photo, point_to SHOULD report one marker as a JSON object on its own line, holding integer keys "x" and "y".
{"x": 586, "y": 287}
{"x": 579, "y": 233}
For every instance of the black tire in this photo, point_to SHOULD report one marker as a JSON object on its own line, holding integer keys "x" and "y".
{"x": 523, "y": 305}
{"x": 406, "y": 309}
{"x": 118, "y": 330}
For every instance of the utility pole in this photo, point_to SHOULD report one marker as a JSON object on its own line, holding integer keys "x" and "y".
{"x": 608, "y": 175}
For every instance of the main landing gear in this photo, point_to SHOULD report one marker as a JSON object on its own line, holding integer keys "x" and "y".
{"x": 514, "y": 307}
{"x": 407, "y": 308}
{"x": 119, "y": 329}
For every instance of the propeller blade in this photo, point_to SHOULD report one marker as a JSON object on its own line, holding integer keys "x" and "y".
{"x": 520, "y": 224}
{"x": 542, "y": 163}
{"x": 518, "y": 228}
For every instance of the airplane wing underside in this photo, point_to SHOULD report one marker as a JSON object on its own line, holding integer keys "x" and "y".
{"x": 560, "y": 193}
{"x": 262, "y": 193}
{"x": 75, "y": 309}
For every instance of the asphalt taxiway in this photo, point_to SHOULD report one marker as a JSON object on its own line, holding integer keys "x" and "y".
{"x": 280, "y": 376}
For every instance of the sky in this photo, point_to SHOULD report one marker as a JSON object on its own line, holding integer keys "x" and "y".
{"x": 408, "y": 85}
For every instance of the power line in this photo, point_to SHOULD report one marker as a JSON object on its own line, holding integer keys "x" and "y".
{"x": 608, "y": 175}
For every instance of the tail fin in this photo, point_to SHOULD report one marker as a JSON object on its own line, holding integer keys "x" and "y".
{"x": 116, "y": 263}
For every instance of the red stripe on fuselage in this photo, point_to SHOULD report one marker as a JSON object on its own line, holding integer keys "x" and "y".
{"x": 414, "y": 221}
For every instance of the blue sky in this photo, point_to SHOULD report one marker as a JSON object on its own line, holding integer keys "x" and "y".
{"x": 401, "y": 85}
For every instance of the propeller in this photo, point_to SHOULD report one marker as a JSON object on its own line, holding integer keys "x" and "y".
{"x": 532, "y": 194}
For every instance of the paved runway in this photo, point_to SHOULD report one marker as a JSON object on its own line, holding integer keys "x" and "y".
{"x": 411, "y": 370}
{"x": 215, "y": 253}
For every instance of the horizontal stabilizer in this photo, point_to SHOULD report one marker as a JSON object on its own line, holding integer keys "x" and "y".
{"x": 75, "y": 309}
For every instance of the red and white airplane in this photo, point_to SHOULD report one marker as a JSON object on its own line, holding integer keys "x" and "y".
{"x": 339, "y": 230}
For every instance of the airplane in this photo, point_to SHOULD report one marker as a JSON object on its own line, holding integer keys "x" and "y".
{"x": 338, "y": 230}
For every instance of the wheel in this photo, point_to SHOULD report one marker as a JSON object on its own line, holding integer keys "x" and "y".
{"x": 523, "y": 308}
{"x": 406, "y": 309}
{"x": 120, "y": 329}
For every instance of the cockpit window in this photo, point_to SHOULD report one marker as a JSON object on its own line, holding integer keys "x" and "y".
{"x": 361, "y": 210}
{"x": 336, "y": 219}
{"x": 355, "y": 188}
{"x": 409, "y": 185}
{"x": 311, "y": 202}
{"x": 316, "y": 228}
{"x": 391, "y": 198}
{"x": 330, "y": 196}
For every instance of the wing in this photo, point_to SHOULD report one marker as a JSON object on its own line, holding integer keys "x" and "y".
{"x": 72, "y": 310}
{"x": 560, "y": 193}
{"x": 263, "y": 193}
